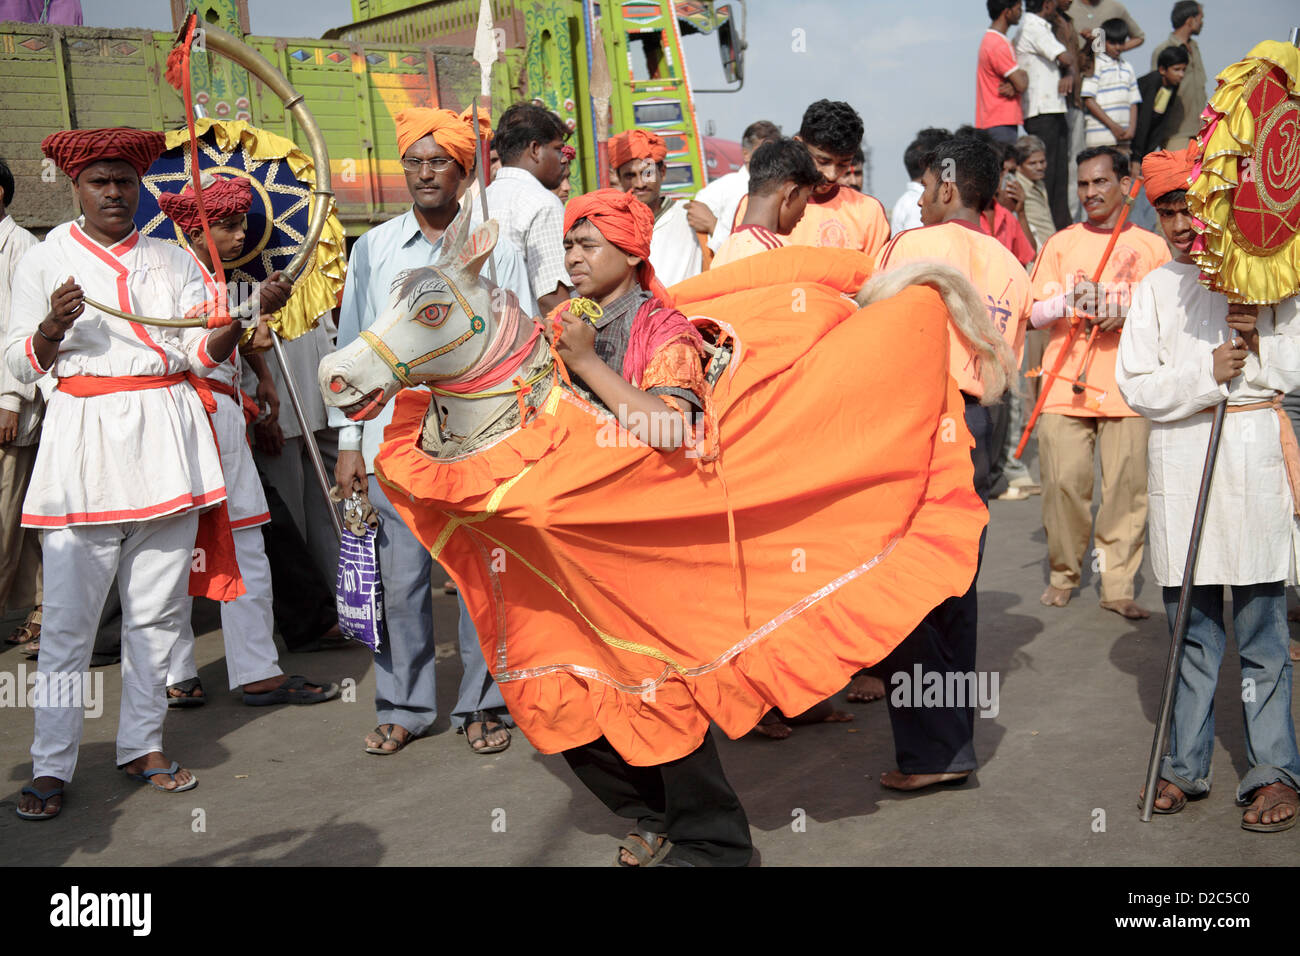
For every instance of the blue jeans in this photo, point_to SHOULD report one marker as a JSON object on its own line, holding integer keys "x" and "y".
{"x": 1259, "y": 622}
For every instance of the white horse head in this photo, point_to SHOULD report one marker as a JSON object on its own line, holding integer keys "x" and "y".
{"x": 437, "y": 325}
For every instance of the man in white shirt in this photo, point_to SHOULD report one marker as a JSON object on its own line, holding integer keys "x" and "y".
{"x": 127, "y": 456}
{"x": 713, "y": 210}
{"x": 1183, "y": 351}
{"x": 21, "y": 408}
{"x": 530, "y": 142}
{"x": 637, "y": 158}
{"x": 906, "y": 213}
{"x": 1044, "y": 59}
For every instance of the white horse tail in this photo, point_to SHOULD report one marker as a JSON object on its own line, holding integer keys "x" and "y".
{"x": 970, "y": 317}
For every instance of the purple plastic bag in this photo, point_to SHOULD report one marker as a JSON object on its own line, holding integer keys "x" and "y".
{"x": 360, "y": 598}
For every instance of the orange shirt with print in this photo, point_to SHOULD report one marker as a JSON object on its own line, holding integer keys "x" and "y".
{"x": 746, "y": 241}
{"x": 847, "y": 220}
{"x": 997, "y": 275}
{"x": 1067, "y": 257}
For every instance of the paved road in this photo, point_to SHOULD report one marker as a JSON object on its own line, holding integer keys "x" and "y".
{"x": 1061, "y": 764}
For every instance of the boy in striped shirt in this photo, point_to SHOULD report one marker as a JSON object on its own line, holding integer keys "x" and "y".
{"x": 782, "y": 175}
{"x": 1110, "y": 95}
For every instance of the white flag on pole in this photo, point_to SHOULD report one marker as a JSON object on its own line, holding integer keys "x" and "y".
{"x": 485, "y": 47}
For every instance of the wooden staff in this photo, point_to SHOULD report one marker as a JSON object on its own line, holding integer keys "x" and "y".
{"x": 1077, "y": 325}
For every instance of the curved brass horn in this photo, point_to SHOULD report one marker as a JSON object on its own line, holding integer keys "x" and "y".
{"x": 241, "y": 54}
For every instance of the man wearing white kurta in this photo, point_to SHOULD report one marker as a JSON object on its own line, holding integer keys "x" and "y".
{"x": 1180, "y": 355}
{"x": 637, "y": 158}
{"x": 127, "y": 457}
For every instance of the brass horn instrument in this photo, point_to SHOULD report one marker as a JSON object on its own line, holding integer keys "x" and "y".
{"x": 241, "y": 54}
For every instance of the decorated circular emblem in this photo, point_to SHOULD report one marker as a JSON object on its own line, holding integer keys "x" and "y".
{"x": 477, "y": 324}
{"x": 1266, "y": 207}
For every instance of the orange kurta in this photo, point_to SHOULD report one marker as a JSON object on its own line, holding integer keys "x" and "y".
{"x": 1067, "y": 257}
{"x": 599, "y": 572}
{"x": 995, "y": 272}
{"x": 847, "y": 220}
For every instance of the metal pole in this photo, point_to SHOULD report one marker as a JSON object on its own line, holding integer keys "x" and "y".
{"x": 479, "y": 162}
{"x": 317, "y": 463}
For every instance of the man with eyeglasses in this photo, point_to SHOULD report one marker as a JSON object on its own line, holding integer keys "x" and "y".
{"x": 438, "y": 154}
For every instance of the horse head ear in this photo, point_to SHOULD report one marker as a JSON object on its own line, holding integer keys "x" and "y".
{"x": 474, "y": 251}
{"x": 453, "y": 239}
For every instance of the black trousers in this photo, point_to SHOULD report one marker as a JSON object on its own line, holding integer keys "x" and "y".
{"x": 689, "y": 799}
{"x": 940, "y": 739}
{"x": 301, "y": 601}
{"x": 1054, "y": 131}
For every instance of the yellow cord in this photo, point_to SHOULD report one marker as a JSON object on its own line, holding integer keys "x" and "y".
{"x": 583, "y": 308}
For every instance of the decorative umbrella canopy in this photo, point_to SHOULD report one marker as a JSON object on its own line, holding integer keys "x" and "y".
{"x": 1246, "y": 195}
{"x": 282, "y": 179}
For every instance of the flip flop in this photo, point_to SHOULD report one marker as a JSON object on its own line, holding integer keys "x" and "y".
{"x": 187, "y": 698}
{"x": 171, "y": 771}
{"x": 44, "y": 798}
{"x": 1178, "y": 804}
{"x": 294, "y": 691}
{"x": 23, "y": 633}
{"x": 483, "y": 718}
{"x": 388, "y": 735}
{"x": 1281, "y": 800}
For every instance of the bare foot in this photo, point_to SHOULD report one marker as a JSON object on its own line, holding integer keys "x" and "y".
{"x": 821, "y": 713}
{"x": 864, "y": 688}
{"x": 1056, "y": 597}
{"x": 1169, "y": 798}
{"x": 773, "y": 727}
{"x": 1295, "y": 650}
{"x": 156, "y": 761}
{"x": 30, "y": 804}
{"x": 897, "y": 780}
{"x": 1127, "y": 608}
{"x": 1273, "y": 809}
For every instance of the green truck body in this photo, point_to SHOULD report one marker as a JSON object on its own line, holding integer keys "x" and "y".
{"x": 354, "y": 80}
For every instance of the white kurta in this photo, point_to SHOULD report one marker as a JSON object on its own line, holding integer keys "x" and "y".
{"x": 245, "y": 499}
{"x": 674, "y": 251}
{"x": 1164, "y": 370}
{"x": 723, "y": 197}
{"x": 126, "y": 456}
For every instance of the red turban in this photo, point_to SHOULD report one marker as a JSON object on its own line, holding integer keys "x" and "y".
{"x": 222, "y": 198}
{"x": 1165, "y": 171}
{"x": 74, "y": 149}
{"x": 454, "y": 132}
{"x": 636, "y": 144}
{"x": 625, "y": 221}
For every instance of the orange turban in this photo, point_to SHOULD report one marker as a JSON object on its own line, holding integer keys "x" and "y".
{"x": 1166, "y": 171}
{"x": 454, "y": 132}
{"x": 625, "y": 221}
{"x": 636, "y": 144}
{"x": 222, "y": 198}
{"x": 74, "y": 149}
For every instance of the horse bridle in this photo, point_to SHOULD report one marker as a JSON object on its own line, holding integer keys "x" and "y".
{"x": 402, "y": 370}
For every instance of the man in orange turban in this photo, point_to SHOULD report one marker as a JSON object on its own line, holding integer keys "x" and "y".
{"x": 1185, "y": 349}
{"x": 636, "y": 356}
{"x": 452, "y": 132}
{"x": 638, "y": 161}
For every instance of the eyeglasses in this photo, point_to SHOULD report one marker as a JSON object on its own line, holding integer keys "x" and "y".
{"x": 438, "y": 165}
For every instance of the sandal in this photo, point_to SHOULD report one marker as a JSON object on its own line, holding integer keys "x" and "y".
{"x": 28, "y": 631}
{"x": 487, "y": 723}
{"x": 172, "y": 771}
{"x": 295, "y": 690}
{"x": 1276, "y": 794}
{"x": 185, "y": 697}
{"x": 1179, "y": 802}
{"x": 388, "y": 735}
{"x": 639, "y": 843}
{"x": 45, "y": 798}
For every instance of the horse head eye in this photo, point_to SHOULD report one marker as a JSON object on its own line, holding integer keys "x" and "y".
{"x": 433, "y": 315}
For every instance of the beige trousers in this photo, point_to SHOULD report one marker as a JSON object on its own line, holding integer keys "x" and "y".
{"x": 1066, "y": 445}
{"x": 20, "y": 548}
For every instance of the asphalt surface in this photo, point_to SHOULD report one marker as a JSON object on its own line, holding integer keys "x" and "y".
{"x": 1060, "y": 766}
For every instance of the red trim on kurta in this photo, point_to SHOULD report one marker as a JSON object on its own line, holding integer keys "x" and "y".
{"x": 180, "y": 502}
{"x": 204, "y": 357}
{"x": 123, "y": 292}
{"x": 31, "y": 355}
{"x": 263, "y": 518}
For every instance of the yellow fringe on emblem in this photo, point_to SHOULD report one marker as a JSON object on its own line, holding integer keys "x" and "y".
{"x": 1233, "y": 269}
{"x": 317, "y": 291}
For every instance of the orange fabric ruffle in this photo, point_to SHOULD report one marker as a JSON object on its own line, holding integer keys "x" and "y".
{"x": 599, "y": 572}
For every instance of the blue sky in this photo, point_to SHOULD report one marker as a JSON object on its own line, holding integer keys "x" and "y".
{"x": 901, "y": 66}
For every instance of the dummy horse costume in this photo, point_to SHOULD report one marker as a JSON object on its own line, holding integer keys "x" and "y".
{"x": 822, "y": 511}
